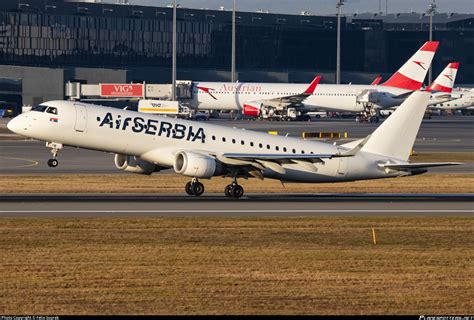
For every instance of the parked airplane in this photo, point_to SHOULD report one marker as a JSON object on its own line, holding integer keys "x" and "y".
{"x": 145, "y": 143}
{"x": 253, "y": 98}
{"x": 442, "y": 95}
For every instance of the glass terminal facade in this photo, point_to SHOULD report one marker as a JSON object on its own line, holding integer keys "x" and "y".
{"x": 53, "y": 33}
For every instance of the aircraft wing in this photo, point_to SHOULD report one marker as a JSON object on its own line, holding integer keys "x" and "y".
{"x": 296, "y": 99}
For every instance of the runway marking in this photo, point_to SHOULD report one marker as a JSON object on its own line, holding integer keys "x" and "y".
{"x": 31, "y": 164}
{"x": 246, "y": 211}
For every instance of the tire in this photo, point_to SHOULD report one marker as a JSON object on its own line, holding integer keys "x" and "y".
{"x": 228, "y": 190}
{"x": 53, "y": 163}
{"x": 189, "y": 188}
{"x": 198, "y": 188}
{"x": 237, "y": 191}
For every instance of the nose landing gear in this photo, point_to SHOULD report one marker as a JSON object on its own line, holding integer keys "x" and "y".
{"x": 55, "y": 147}
{"x": 234, "y": 190}
{"x": 194, "y": 188}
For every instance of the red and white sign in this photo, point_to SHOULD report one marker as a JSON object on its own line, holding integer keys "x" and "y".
{"x": 121, "y": 90}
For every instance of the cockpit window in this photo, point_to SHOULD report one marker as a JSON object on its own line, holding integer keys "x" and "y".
{"x": 52, "y": 110}
{"x": 40, "y": 108}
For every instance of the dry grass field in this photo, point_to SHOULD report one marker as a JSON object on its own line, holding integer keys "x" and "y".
{"x": 323, "y": 265}
{"x": 172, "y": 183}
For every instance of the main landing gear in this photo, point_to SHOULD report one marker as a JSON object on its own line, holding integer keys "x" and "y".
{"x": 55, "y": 147}
{"x": 234, "y": 190}
{"x": 194, "y": 187}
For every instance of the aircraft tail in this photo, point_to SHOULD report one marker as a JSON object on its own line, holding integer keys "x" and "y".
{"x": 445, "y": 81}
{"x": 396, "y": 135}
{"x": 412, "y": 74}
{"x": 376, "y": 81}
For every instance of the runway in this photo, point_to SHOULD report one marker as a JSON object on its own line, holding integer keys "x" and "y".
{"x": 440, "y": 134}
{"x": 219, "y": 206}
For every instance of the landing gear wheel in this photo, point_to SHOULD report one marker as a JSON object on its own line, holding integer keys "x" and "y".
{"x": 198, "y": 188}
{"x": 194, "y": 188}
{"x": 237, "y": 191}
{"x": 53, "y": 163}
{"x": 189, "y": 188}
{"x": 228, "y": 190}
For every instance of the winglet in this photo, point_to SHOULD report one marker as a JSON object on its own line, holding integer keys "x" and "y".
{"x": 376, "y": 81}
{"x": 312, "y": 85}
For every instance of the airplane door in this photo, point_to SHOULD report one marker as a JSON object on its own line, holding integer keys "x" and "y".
{"x": 342, "y": 165}
{"x": 81, "y": 118}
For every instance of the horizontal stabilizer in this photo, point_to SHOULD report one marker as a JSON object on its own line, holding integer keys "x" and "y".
{"x": 420, "y": 165}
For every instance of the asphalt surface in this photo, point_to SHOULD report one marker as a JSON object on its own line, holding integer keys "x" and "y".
{"x": 215, "y": 206}
{"x": 439, "y": 134}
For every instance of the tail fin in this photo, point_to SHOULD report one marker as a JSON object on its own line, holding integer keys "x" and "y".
{"x": 396, "y": 135}
{"x": 412, "y": 74}
{"x": 445, "y": 81}
{"x": 376, "y": 81}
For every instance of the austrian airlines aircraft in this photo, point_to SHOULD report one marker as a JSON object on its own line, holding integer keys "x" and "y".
{"x": 251, "y": 98}
{"x": 146, "y": 143}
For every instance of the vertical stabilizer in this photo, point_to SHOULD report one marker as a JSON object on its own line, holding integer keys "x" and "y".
{"x": 396, "y": 135}
{"x": 445, "y": 81}
{"x": 412, "y": 74}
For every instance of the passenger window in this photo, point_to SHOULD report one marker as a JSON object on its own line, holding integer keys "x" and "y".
{"x": 251, "y": 144}
{"x": 294, "y": 151}
{"x": 242, "y": 142}
{"x": 52, "y": 110}
{"x": 260, "y": 145}
{"x": 268, "y": 146}
{"x": 213, "y": 137}
{"x": 233, "y": 140}
{"x": 302, "y": 151}
{"x": 223, "y": 139}
{"x": 277, "y": 148}
{"x": 284, "y": 149}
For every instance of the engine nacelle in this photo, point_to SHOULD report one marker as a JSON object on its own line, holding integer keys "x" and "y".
{"x": 252, "y": 109}
{"x": 197, "y": 165}
{"x": 135, "y": 164}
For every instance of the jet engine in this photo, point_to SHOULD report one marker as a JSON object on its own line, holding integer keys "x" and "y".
{"x": 252, "y": 109}
{"x": 197, "y": 165}
{"x": 135, "y": 164}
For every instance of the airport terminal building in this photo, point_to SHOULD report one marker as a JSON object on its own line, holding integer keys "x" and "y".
{"x": 46, "y": 43}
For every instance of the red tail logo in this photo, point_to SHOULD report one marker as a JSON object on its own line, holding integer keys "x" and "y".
{"x": 207, "y": 90}
{"x": 448, "y": 76}
{"x": 420, "y": 64}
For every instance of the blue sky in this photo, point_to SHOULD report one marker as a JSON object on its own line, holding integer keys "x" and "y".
{"x": 321, "y": 6}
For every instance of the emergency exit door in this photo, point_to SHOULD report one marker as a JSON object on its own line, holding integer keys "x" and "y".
{"x": 81, "y": 118}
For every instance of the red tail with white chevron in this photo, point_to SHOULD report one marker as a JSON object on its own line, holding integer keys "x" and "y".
{"x": 412, "y": 74}
{"x": 445, "y": 81}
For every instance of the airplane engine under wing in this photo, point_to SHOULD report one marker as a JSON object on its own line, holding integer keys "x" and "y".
{"x": 252, "y": 109}
{"x": 197, "y": 165}
{"x": 135, "y": 164}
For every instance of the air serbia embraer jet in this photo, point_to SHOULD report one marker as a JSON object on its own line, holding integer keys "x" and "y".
{"x": 145, "y": 143}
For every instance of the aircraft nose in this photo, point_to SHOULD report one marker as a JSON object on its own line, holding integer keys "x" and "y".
{"x": 14, "y": 124}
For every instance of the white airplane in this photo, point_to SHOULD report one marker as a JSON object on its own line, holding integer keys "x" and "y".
{"x": 146, "y": 143}
{"x": 442, "y": 87}
{"x": 442, "y": 95}
{"x": 251, "y": 98}
{"x": 460, "y": 99}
